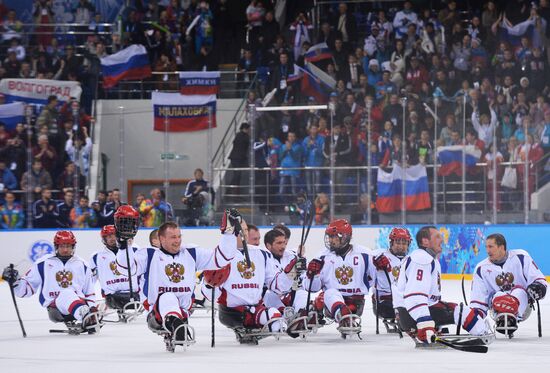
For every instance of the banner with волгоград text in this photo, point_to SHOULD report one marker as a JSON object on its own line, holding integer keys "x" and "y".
{"x": 37, "y": 91}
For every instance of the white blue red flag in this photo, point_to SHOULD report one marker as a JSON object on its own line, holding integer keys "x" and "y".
{"x": 318, "y": 52}
{"x": 450, "y": 158}
{"x": 199, "y": 82}
{"x": 130, "y": 63}
{"x": 390, "y": 186}
{"x": 174, "y": 112}
{"x": 11, "y": 114}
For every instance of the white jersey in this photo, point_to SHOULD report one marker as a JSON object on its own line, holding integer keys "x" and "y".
{"x": 381, "y": 281}
{"x": 175, "y": 273}
{"x": 518, "y": 271}
{"x": 418, "y": 284}
{"x": 351, "y": 275}
{"x": 111, "y": 280}
{"x": 285, "y": 260}
{"x": 244, "y": 286}
{"x": 49, "y": 275}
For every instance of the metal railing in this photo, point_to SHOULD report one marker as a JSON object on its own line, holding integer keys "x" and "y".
{"x": 470, "y": 199}
{"x": 232, "y": 85}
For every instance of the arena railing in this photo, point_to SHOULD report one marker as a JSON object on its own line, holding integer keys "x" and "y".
{"x": 232, "y": 85}
{"x": 475, "y": 192}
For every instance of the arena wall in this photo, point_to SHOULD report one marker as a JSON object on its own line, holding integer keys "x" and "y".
{"x": 464, "y": 245}
{"x": 143, "y": 146}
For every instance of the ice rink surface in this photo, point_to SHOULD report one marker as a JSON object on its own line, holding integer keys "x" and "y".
{"x": 133, "y": 348}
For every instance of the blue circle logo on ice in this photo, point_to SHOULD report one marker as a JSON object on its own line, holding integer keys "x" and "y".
{"x": 40, "y": 248}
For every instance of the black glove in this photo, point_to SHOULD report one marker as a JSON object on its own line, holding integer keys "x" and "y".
{"x": 536, "y": 290}
{"x": 231, "y": 222}
{"x": 301, "y": 265}
{"x": 10, "y": 275}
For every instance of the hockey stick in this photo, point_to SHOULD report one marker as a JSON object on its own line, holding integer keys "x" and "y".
{"x": 538, "y": 319}
{"x": 377, "y": 306}
{"x": 458, "y": 325}
{"x": 213, "y": 344}
{"x": 125, "y": 243}
{"x": 243, "y": 240}
{"x": 478, "y": 349}
{"x": 17, "y": 308}
{"x": 391, "y": 292}
{"x": 462, "y": 284}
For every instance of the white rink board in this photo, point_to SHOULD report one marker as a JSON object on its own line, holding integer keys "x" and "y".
{"x": 133, "y": 348}
{"x": 15, "y": 245}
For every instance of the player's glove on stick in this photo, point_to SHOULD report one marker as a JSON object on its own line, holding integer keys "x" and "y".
{"x": 425, "y": 331}
{"x": 536, "y": 290}
{"x": 10, "y": 275}
{"x": 382, "y": 263}
{"x": 295, "y": 268}
{"x": 231, "y": 221}
{"x": 314, "y": 268}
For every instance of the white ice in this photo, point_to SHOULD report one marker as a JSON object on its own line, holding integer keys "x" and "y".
{"x": 133, "y": 348}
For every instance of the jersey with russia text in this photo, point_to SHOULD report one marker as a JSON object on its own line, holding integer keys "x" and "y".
{"x": 174, "y": 273}
{"x": 49, "y": 275}
{"x": 245, "y": 285}
{"x": 351, "y": 275}
{"x": 418, "y": 284}
{"x": 519, "y": 270}
{"x": 111, "y": 280}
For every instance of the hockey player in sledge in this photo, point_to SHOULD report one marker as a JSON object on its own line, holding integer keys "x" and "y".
{"x": 64, "y": 284}
{"x": 291, "y": 304}
{"x": 169, "y": 280}
{"x": 417, "y": 297}
{"x": 505, "y": 283}
{"x": 114, "y": 284}
{"x": 345, "y": 274}
{"x": 240, "y": 303}
{"x": 389, "y": 264}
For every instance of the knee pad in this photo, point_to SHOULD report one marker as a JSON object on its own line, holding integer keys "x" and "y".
{"x": 473, "y": 321}
{"x": 506, "y": 304}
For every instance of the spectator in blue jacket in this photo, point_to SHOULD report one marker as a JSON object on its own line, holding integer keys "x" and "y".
{"x": 7, "y": 178}
{"x": 11, "y": 213}
{"x": 313, "y": 157}
{"x": 290, "y": 155}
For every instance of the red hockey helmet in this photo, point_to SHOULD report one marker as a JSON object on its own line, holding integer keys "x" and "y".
{"x": 400, "y": 240}
{"x": 64, "y": 237}
{"x": 126, "y": 221}
{"x": 107, "y": 230}
{"x": 400, "y": 233}
{"x": 340, "y": 228}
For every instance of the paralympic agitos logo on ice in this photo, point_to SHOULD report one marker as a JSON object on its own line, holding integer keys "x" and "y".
{"x": 344, "y": 274}
{"x": 175, "y": 272}
{"x": 64, "y": 278}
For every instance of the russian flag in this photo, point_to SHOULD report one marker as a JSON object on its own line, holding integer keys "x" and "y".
{"x": 178, "y": 113}
{"x": 311, "y": 85}
{"x": 318, "y": 52}
{"x": 130, "y": 63}
{"x": 11, "y": 114}
{"x": 199, "y": 82}
{"x": 450, "y": 158}
{"x": 417, "y": 193}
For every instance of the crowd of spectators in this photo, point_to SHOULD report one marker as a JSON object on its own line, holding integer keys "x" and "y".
{"x": 473, "y": 63}
{"x": 439, "y": 53}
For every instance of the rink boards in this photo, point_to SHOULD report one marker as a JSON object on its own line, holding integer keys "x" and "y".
{"x": 463, "y": 245}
